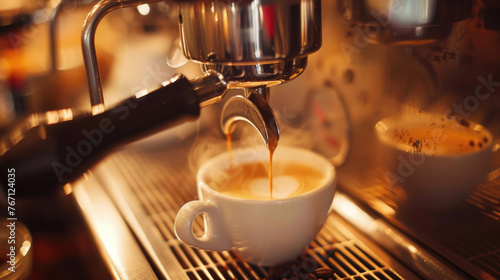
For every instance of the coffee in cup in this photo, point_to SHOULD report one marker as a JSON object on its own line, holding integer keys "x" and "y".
{"x": 239, "y": 214}
{"x": 249, "y": 180}
{"x": 437, "y": 160}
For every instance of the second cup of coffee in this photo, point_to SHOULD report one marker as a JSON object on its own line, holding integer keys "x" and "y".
{"x": 437, "y": 160}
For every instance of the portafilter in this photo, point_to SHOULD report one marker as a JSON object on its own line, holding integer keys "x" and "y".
{"x": 240, "y": 44}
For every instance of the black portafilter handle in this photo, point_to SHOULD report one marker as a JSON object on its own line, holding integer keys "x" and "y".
{"x": 43, "y": 158}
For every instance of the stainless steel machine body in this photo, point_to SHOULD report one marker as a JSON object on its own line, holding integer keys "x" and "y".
{"x": 251, "y": 44}
{"x": 365, "y": 60}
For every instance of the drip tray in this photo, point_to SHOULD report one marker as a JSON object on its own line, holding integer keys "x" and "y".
{"x": 149, "y": 186}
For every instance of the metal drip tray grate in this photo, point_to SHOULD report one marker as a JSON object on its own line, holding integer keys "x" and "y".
{"x": 468, "y": 234}
{"x": 162, "y": 183}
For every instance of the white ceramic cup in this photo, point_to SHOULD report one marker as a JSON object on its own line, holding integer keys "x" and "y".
{"x": 265, "y": 232}
{"x": 432, "y": 177}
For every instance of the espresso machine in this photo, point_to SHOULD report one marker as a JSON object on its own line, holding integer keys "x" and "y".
{"x": 365, "y": 60}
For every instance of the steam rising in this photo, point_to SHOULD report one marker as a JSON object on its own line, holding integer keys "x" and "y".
{"x": 211, "y": 142}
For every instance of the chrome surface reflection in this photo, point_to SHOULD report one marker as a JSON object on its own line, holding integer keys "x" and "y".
{"x": 252, "y": 43}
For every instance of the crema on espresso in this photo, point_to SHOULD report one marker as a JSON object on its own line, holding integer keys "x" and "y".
{"x": 437, "y": 139}
{"x": 250, "y": 180}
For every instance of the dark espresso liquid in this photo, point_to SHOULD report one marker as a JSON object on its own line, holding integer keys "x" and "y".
{"x": 229, "y": 148}
{"x": 271, "y": 153}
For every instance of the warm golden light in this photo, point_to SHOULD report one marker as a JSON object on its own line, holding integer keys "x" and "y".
{"x": 66, "y": 114}
{"x": 68, "y": 189}
{"x": 16, "y": 136}
{"x": 42, "y": 133}
{"x": 141, "y": 93}
{"x": 52, "y": 117}
{"x": 33, "y": 120}
{"x": 97, "y": 109}
{"x": 383, "y": 208}
{"x": 143, "y": 9}
{"x": 352, "y": 212}
{"x": 25, "y": 248}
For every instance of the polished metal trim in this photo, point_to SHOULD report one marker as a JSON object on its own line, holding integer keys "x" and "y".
{"x": 88, "y": 42}
{"x": 118, "y": 247}
{"x": 251, "y": 43}
{"x": 249, "y": 32}
{"x": 53, "y": 34}
{"x": 254, "y": 110}
{"x": 143, "y": 227}
{"x": 209, "y": 88}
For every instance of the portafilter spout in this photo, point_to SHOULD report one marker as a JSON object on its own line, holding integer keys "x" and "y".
{"x": 245, "y": 44}
{"x": 254, "y": 45}
{"x": 255, "y": 110}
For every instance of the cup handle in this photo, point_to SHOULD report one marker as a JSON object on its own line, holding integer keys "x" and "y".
{"x": 213, "y": 238}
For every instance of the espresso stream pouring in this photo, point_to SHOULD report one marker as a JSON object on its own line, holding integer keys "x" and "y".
{"x": 254, "y": 110}
{"x": 51, "y": 149}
